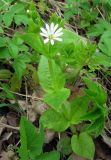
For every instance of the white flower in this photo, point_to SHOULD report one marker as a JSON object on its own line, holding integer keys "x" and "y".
{"x": 28, "y": 10}
{"x": 51, "y": 33}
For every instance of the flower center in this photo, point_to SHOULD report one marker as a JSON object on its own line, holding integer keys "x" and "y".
{"x": 51, "y": 36}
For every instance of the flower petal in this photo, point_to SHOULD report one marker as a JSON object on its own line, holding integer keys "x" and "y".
{"x": 58, "y": 34}
{"x": 46, "y": 40}
{"x": 43, "y": 34}
{"x": 48, "y": 28}
{"x": 52, "y": 28}
{"x": 59, "y": 30}
{"x": 43, "y": 30}
{"x": 58, "y": 39}
{"x": 55, "y": 27}
{"x": 52, "y": 42}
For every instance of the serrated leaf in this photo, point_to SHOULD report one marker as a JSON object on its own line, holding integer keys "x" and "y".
{"x": 34, "y": 41}
{"x": 56, "y": 99}
{"x": 105, "y": 42}
{"x": 101, "y": 59}
{"x": 8, "y": 18}
{"x": 20, "y": 64}
{"x": 95, "y": 91}
{"x": 54, "y": 120}
{"x": 83, "y": 145}
{"x": 99, "y": 28}
{"x": 21, "y": 19}
{"x": 95, "y": 127}
{"x": 6, "y": 91}
{"x": 17, "y": 8}
{"x": 31, "y": 140}
{"x": 79, "y": 107}
{"x": 50, "y": 81}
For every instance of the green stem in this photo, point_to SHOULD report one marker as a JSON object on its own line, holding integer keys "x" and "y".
{"x": 50, "y": 62}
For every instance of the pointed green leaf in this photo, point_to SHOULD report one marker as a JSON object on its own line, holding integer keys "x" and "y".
{"x": 54, "y": 120}
{"x": 31, "y": 140}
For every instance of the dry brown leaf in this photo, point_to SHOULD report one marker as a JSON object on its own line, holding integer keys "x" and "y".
{"x": 2, "y": 120}
{"x": 49, "y": 135}
{"x": 75, "y": 157}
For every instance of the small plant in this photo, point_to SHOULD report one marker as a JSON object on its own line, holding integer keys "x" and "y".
{"x": 55, "y": 57}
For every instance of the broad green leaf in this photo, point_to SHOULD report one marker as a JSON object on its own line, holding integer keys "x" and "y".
{"x": 72, "y": 37}
{"x": 95, "y": 91}
{"x": 83, "y": 145}
{"x": 54, "y": 155}
{"x": 34, "y": 41}
{"x": 54, "y": 120}
{"x": 79, "y": 107}
{"x": 50, "y": 75}
{"x": 56, "y": 99}
{"x": 8, "y": 18}
{"x": 31, "y": 140}
{"x": 21, "y": 19}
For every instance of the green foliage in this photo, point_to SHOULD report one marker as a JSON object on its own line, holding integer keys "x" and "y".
{"x": 32, "y": 142}
{"x": 64, "y": 145}
{"x": 83, "y": 145}
{"x": 57, "y": 70}
{"x": 16, "y": 12}
{"x": 95, "y": 91}
{"x": 54, "y": 120}
{"x": 51, "y": 81}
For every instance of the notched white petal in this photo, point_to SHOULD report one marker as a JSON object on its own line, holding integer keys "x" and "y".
{"x": 59, "y": 30}
{"x": 58, "y": 34}
{"x": 52, "y": 42}
{"x": 58, "y": 39}
{"x": 43, "y": 34}
{"x": 43, "y": 30}
{"x": 48, "y": 28}
{"x": 55, "y": 27}
{"x": 52, "y": 28}
{"x": 46, "y": 40}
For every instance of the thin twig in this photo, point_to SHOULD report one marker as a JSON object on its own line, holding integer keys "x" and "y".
{"x": 8, "y": 126}
{"x": 23, "y": 95}
{"x": 100, "y": 13}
